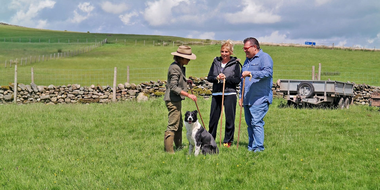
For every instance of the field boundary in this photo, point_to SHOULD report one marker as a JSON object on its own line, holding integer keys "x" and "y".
{"x": 43, "y": 58}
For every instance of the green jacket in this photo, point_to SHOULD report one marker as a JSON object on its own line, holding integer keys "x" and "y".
{"x": 176, "y": 83}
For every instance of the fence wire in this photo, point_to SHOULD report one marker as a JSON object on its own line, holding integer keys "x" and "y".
{"x": 86, "y": 77}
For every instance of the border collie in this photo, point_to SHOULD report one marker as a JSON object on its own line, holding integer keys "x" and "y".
{"x": 198, "y": 137}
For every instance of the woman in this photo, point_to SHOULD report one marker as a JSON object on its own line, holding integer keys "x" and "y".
{"x": 224, "y": 67}
{"x": 176, "y": 91}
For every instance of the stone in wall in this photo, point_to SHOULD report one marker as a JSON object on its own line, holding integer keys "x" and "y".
{"x": 76, "y": 93}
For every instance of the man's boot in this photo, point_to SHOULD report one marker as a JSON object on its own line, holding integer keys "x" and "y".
{"x": 168, "y": 142}
{"x": 178, "y": 138}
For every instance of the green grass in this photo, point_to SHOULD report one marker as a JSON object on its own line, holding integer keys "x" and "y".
{"x": 13, "y": 51}
{"x": 151, "y": 62}
{"x": 23, "y": 34}
{"x": 148, "y": 62}
{"x": 120, "y": 146}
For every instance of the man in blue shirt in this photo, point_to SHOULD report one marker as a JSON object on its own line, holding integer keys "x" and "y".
{"x": 257, "y": 92}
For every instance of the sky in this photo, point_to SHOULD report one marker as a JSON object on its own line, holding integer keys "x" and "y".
{"x": 326, "y": 22}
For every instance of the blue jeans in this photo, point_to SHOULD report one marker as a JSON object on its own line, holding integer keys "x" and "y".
{"x": 254, "y": 117}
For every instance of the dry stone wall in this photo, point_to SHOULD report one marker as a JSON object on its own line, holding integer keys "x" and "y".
{"x": 76, "y": 93}
{"x": 363, "y": 93}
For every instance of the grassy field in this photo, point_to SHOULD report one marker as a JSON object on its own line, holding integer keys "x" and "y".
{"x": 148, "y": 62}
{"x": 151, "y": 62}
{"x": 16, "y": 42}
{"x": 23, "y": 34}
{"x": 120, "y": 146}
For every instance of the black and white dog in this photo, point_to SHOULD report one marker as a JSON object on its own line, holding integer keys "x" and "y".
{"x": 198, "y": 137}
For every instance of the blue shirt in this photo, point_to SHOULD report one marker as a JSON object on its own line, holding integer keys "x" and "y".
{"x": 259, "y": 89}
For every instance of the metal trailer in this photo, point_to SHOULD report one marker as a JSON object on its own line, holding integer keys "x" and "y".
{"x": 316, "y": 92}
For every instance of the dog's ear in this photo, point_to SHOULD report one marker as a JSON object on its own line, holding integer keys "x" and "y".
{"x": 187, "y": 113}
{"x": 195, "y": 111}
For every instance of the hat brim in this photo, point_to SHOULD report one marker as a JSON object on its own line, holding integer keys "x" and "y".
{"x": 192, "y": 56}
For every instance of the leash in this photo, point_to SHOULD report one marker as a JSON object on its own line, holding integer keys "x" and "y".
{"x": 241, "y": 110}
{"x": 221, "y": 114}
{"x": 200, "y": 115}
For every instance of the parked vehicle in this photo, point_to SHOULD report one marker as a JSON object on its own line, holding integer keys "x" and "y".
{"x": 316, "y": 92}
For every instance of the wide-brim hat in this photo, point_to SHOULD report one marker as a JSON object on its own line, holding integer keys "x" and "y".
{"x": 185, "y": 52}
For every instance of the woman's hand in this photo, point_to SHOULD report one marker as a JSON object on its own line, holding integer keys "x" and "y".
{"x": 193, "y": 97}
{"x": 221, "y": 76}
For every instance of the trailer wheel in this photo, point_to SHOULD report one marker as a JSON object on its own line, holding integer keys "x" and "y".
{"x": 341, "y": 103}
{"x": 347, "y": 103}
{"x": 305, "y": 89}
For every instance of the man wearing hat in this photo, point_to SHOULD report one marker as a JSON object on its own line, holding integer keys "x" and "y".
{"x": 176, "y": 91}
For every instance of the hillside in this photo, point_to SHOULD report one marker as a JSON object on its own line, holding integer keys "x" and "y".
{"x": 149, "y": 56}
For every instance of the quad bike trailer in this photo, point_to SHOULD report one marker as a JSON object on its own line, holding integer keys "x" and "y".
{"x": 316, "y": 93}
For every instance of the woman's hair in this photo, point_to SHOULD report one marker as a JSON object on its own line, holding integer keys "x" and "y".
{"x": 177, "y": 58}
{"x": 229, "y": 46}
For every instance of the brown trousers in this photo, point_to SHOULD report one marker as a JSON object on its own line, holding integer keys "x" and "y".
{"x": 175, "y": 121}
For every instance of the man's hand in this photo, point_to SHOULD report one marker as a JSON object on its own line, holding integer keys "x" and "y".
{"x": 240, "y": 102}
{"x": 245, "y": 74}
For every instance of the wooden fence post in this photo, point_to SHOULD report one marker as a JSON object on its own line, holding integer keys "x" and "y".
{"x": 312, "y": 73}
{"x": 319, "y": 71}
{"x": 32, "y": 74}
{"x": 15, "y": 86}
{"x": 114, "y": 85}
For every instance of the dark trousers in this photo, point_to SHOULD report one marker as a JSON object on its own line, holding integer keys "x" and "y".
{"x": 229, "y": 113}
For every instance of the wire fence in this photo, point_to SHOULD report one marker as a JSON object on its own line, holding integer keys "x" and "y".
{"x": 125, "y": 41}
{"x": 137, "y": 74}
{"x": 87, "y": 77}
{"x": 50, "y": 40}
